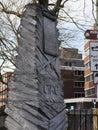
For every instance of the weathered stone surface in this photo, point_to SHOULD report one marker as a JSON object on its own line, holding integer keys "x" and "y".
{"x": 50, "y": 39}
{"x": 36, "y": 94}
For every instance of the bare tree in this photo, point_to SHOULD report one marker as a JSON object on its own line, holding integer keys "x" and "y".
{"x": 10, "y": 15}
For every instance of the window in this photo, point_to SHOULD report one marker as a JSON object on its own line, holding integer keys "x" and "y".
{"x": 78, "y": 73}
{"x": 87, "y": 52}
{"x": 70, "y": 63}
{"x": 79, "y": 84}
{"x": 89, "y": 78}
{"x": 79, "y": 94}
{"x": 87, "y": 65}
{"x": 74, "y": 64}
{"x": 67, "y": 63}
{"x": 90, "y": 92}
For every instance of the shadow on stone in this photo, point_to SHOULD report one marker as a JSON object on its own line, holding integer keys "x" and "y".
{"x": 3, "y": 128}
{"x": 3, "y": 116}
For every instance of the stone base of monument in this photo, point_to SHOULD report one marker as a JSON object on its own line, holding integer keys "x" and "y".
{"x": 36, "y": 93}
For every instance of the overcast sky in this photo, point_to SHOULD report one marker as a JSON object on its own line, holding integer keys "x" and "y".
{"x": 82, "y": 11}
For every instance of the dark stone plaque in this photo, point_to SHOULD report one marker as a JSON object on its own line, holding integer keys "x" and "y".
{"x": 50, "y": 37}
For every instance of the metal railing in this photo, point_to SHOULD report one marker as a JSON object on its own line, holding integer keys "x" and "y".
{"x": 83, "y": 119}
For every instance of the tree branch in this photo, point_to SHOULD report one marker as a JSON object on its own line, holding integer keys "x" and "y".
{"x": 57, "y": 6}
{"x": 5, "y": 10}
{"x": 73, "y": 20}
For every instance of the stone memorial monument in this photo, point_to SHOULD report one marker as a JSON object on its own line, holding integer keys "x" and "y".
{"x": 35, "y": 99}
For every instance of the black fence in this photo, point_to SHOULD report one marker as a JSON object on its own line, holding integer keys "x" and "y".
{"x": 83, "y": 119}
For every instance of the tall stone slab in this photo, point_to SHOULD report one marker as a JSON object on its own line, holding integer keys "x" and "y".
{"x": 36, "y": 95}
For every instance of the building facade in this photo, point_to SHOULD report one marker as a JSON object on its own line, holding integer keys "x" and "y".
{"x": 90, "y": 87}
{"x": 4, "y": 80}
{"x": 72, "y": 73}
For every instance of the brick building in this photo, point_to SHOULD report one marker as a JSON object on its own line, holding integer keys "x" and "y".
{"x": 90, "y": 88}
{"x": 72, "y": 73}
{"x": 4, "y": 79}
